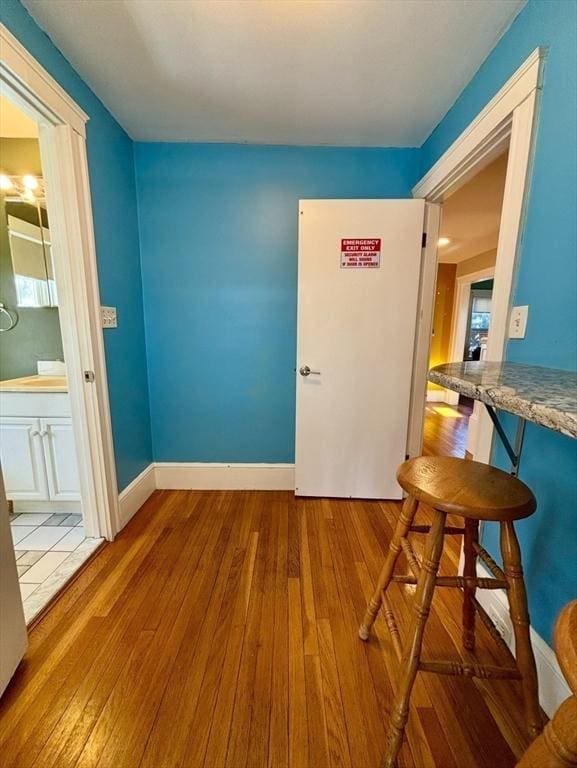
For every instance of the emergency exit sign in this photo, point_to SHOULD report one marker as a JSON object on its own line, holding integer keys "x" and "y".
{"x": 360, "y": 253}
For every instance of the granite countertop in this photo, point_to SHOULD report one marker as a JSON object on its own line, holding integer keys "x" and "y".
{"x": 35, "y": 384}
{"x": 545, "y": 396}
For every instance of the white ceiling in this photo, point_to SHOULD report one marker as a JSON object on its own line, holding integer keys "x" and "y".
{"x": 14, "y": 124}
{"x": 472, "y": 215}
{"x": 336, "y": 72}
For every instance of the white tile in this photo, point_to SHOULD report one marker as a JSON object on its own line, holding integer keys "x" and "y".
{"x": 41, "y": 570}
{"x": 44, "y": 537}
{"x": 71, "y": 540}
{"x": 28, "y": 558}
{"x": 31, "y": 518}
{"x": 20, "y": 532}
{"x": 73, "y": 519}
{"x": 27, "y": 589}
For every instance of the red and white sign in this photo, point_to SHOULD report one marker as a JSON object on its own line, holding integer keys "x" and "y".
{"x": 361, "y": 253}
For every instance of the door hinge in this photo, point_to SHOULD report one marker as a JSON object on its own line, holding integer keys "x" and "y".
{"x": 89, "y": 376}
{"x": 424, "y": 240}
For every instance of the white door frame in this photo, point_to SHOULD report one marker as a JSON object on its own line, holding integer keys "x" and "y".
{"x": 423, "y": 328}
{"x": 460, "y": 316}
{"x": 65, "y": 169}
{"x": 508, "y": 120}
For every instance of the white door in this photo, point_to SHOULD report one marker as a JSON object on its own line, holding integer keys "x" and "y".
{"x": 61, "y": 463}
{"x": 22, "y": 458}
{"x": 359, "y": 266}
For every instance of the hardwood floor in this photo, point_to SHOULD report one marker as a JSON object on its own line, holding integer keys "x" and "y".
{"x": 445, "y": 429}
{"x": 220, "y": 629}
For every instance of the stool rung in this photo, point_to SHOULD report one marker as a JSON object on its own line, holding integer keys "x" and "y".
{"x": 403, "y": 578}
{"x": 492, "y": 629}
{"x": 490, "y": 563}
{"x": 448, "y": 529}
{"x": 470, "y": 581}
{"x": 392, "y": 625}
{"x": 484, "y": 671}
{"x": 414, "y": 564}
{"x": 454, "y": 581}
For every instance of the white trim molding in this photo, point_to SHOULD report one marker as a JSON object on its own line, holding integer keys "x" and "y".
{"x": 68, "y": 195}
{"x": 63, "y": 148}
{"x": 553, "y": 688}
{"x": 460, "y": 318}
{"x": 200, "y": 476}
{"x": 436, "y": 396}
{"x": 135, "y": 494}
{"x": 485, "y": 137}
{"x": 423, "y": 329}
{"x": 50, "y": 99}
{"x": 508, "y": 120}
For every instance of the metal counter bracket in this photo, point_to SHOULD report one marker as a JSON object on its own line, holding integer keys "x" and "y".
{"x": 514, "y": 453}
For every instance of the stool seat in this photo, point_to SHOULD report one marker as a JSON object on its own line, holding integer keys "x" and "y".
{"x": 467, "y": 488}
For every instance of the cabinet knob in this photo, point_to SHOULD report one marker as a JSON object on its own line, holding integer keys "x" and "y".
{"x": 43, "y": 433}
{"x": 34, "y": 433}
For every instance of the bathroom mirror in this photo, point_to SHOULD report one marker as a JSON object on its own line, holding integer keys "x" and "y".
{"x": 31, "y": 252}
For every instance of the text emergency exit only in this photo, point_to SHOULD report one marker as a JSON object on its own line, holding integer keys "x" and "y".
{"x": 361, "y": 253}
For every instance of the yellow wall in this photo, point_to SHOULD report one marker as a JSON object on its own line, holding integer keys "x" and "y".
{"x": 442, "y": 316}
{"x": 476, "y": 263}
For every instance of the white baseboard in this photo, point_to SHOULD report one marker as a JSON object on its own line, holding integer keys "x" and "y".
{"x": 436, "y": 396}
{"x": 452, "y": 398}
{"x": 553, "y": 688}
{"x": 135, "y": 494}
{"x": 201, "y": 476}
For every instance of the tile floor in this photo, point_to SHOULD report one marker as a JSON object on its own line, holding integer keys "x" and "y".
{"x": 49, "y": 549}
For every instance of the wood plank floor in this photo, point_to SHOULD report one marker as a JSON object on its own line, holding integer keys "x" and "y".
{"x": 220, "y": 629}
{"x": 445, "y": 429}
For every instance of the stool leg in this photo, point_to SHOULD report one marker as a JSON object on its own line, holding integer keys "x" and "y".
{"x": 519, "y": 611}
{"x": 412, "y": 654}
{"x": 469, "y": 569}
{"x": 404, "y": 523}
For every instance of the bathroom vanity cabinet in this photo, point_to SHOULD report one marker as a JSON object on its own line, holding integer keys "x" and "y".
{"x": 37, "y": 445}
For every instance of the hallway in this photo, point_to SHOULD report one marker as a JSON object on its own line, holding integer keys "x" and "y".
{"x": 445, "y": 429}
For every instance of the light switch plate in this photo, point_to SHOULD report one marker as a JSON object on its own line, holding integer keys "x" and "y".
{"x": 518, "y": 322}
{"x": 108, "y": 317}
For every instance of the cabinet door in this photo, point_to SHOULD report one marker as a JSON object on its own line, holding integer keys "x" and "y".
{"x": 22, "y": 458}
{"x": 61, "y": 462}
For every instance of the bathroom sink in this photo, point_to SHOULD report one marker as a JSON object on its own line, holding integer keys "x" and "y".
{"x": 35, "y": 384}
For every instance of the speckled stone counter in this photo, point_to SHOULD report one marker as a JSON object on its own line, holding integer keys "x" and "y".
{"x": 545, "y": 396}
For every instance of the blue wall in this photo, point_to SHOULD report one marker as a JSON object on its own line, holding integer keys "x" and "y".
{"x": 546, "y": 280}
{"x": 111, "y": 167}
{"x": 218, "y": 229}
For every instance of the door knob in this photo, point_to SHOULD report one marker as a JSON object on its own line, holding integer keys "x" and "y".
{"x": 304, "y": 370}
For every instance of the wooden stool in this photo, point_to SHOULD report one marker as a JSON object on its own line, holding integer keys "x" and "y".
{"x": 556, "y": 747}
{"x": 475, "y": 492}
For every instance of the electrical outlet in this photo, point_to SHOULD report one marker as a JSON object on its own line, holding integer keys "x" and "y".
{"x": 502, "y": 627}
{"x": 108, "y": 317}
{"x": 518, "y": 322}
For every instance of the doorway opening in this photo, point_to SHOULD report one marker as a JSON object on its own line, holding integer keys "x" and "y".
{"x": 466, "y": 258}
{"x": 38, "y": 453}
